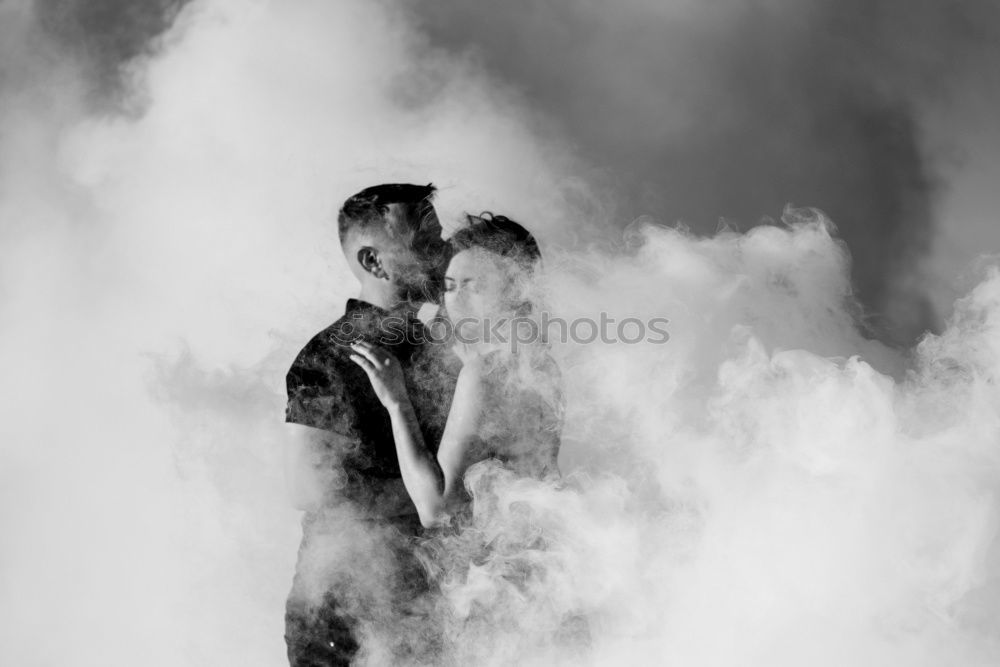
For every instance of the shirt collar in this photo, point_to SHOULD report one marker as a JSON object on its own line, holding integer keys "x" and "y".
{"x": 367, "y": 318}
{"x": 360, "y": 307}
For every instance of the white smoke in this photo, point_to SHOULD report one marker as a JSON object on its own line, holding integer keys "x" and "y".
{"x": 791, "y": 504}
{"x": 768, "y": 487}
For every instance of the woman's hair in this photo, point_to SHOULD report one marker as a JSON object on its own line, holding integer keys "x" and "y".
{"x": 500, "y": 235}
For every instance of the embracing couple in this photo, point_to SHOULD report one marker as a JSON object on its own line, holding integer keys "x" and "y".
{"x": 388, "y": 411}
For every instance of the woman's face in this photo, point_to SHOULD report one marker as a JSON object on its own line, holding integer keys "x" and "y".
{"x": 476, "y": 291}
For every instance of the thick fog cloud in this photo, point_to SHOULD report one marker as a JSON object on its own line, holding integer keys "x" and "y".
{"x": 767, "y": 487}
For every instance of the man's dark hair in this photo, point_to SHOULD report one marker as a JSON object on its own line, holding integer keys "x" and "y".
{"x": 497, "y": 234}
{"x": 393, "y": 207}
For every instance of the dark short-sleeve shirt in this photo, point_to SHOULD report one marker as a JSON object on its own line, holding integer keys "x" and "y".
{"x": 328, "y": 391}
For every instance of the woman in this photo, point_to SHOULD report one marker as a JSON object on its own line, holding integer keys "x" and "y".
{"x": 507, "y": 401}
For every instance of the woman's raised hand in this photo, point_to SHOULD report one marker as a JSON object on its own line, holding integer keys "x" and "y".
{"x": 384, "y": 372}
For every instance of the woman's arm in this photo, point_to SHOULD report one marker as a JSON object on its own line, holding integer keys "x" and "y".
{"x": 454, "y": 453}
{"x": 421, "y": 474}
{"x": 457, "y": 452}
{"x": 431, "y": 482}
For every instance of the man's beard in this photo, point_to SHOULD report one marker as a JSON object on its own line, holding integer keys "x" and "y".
{"x": 425, "y": 288}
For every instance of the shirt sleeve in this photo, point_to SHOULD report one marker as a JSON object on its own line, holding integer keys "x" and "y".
{"x": 315, "y": 391}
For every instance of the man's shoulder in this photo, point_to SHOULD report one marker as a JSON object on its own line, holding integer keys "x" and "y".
{"x": 326, "y": 351}
{"x": 318, "y": 384}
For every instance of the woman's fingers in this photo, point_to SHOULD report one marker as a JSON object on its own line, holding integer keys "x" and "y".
{"x": 364, "y": 362}
{"x": 374, "y": 354}
{"x": 385, "y": 377}
{"x": 367, "y": 351}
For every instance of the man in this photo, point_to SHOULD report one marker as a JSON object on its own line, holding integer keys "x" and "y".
{"x": 342, "y": 456}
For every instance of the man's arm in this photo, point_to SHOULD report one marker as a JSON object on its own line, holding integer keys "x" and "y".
{"x": 311, "y": 480}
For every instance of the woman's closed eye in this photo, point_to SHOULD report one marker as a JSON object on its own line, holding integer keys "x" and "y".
{"x": 451, "y": 285}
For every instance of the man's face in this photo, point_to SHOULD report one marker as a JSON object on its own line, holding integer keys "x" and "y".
{"x": 433, "y": 254}
{"x": 422, "y": 262}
